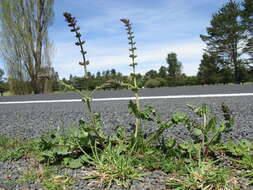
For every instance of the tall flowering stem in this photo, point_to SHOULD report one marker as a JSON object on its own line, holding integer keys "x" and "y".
{"x": 133, "y": 64}
{"x": 74, "y": 28}
{"x": 86, "y": 96}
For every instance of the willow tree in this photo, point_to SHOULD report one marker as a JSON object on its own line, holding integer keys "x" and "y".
{"x": 25, "y": 46}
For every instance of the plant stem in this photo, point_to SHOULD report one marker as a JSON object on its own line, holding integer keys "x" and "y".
{"x": 133, "y": 64}
{"x": 137, "y": 100}
{"x": 203, "y": 135}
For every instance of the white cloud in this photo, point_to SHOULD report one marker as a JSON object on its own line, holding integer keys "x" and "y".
{"x": 185, "y": 50}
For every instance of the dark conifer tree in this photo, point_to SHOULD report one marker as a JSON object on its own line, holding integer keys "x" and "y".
{"x": 225, "y": 37}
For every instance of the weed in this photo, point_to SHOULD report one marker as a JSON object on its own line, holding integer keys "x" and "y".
{"x": 249, "y": 175}
{"x": 114, "y": 164}
{"x": 94, "y": 118}
{"x": 242, "y": 156}
{"x": 12, "y": 149}
{"x": 204, "y": 175}
{"x": 133, "y": 64}
{"x": 242, "y": 153}
{"x": 49, "y": 180}
{"x": 206, "y": 133}
{"x": 66, "y": 148}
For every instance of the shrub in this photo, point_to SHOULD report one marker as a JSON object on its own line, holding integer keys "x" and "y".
{"x": 19, "y": 87}
{"x": 153, "y": 83}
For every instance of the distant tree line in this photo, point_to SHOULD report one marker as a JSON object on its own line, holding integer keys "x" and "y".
{"x": 170, "y": 75}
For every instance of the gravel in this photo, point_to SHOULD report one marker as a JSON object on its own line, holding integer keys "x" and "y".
{"x": 33, "y": 120}
{"x": 11, "y": 178}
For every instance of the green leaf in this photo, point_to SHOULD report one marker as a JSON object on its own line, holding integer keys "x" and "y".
{"x": 150, "y": 109}
{"x": 82, "y": 122}
{"x": 66, "y": 161}
{"x": 222, "y": 127}
{"x": 120, "y": 148}
{"x": 75, "y": 163}
{"x": 133, "y": 108}
{"x": 85, "y": 159}
{"x": 200, "y": 111}
{"x": 197, "y": 132}
{"x": 121, "y": 132}
{"x": 193, "y": 108}
{"x": 183, "y": 146}
{"x": 49, "y": 154}
{"x": 212, "y": 124}
{"x": 144, "y": 115}
{"x": 61, "y": 149}
{"x": 195, "y": 146}
{"x": 164, "y": 125}
{"x": 178, "y": 117}
{"x": 205, "y": 109}
{"x": 171, "y": 143}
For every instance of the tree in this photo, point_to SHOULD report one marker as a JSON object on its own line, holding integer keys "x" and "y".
{"x": 113, "y": 72}
{"x": 175, "y": 66}
{"x": 247, "y": 21}
{"x": 174, "y": 69}
{"x": 1, "y": 82}
{"x": 251, "y": 73}
{"x": 162, "y": 72}
{"x": 151, "y": 73}
{"x": 107, "y": 73}
{"x": 225, "y": 37}
{"x": 208, "y": 69}
{"x": 98, "y": 74}
{"x": 25, "y": 46}
{"x": 1, "y": 74}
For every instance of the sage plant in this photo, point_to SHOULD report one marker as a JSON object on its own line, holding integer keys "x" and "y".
{"x": 72, "y": 23}
{"x": 133, "y": 64}
{"x": 87, "y": 96}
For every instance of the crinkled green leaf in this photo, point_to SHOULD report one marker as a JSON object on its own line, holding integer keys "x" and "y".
{"x": 178, "y": 117}
{"x": 171, "y": 143}
{"x": 197, "y": 132}
{"x": 183, "y": 146}
{"x": 211, "y": 124}
{"x": 61, "y": 150}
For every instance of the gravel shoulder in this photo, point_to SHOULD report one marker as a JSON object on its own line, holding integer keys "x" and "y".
{"x": 12, "y": 177}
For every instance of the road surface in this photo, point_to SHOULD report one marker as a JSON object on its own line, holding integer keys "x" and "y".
{"x": 33, "y": 115}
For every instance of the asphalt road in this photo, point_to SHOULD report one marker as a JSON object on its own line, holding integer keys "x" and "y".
{"x": 33, "y": 120}
{"x": 186, "y": 90}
